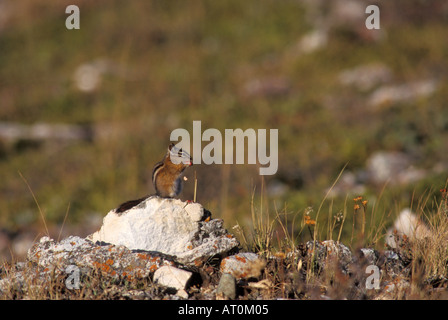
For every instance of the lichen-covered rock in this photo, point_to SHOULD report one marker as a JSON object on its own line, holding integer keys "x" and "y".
{"x": 169, "y": 226}
{"x": 321, "y": 253}
{"x": 131, "y": 246}
{"x": 243, "y": 265}
{"x": 72, "y": 264}
{"x": 115, "y": 261}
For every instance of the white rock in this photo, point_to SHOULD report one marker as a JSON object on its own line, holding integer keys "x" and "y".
{"x": 169, "y": 226}
{"x": 383, "y": 165}
{"x": 146, "y": 226}
{"x": 195, "y": 211}
{"x": 45, "y": 239}
{"x": 88, "y": 76}
{"x": 172, "y": 277}
{"x": 402, "y": 93}
{"x": 367, "y": 76}
{"x": 182, "y": 294}
{"x": 312, "y": 41}
{"x": 408, "y": 224}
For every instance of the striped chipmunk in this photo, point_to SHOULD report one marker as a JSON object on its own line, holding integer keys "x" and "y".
{"x": 166, "y": 176}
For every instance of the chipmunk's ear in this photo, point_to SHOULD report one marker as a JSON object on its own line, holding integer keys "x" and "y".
{"x": 179, "y": 151}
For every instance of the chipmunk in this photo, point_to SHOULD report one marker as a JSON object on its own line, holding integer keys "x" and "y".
{"x": 166, "y": 176}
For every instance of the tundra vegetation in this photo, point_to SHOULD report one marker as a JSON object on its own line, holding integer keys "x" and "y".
{"x": 361, "y": 117}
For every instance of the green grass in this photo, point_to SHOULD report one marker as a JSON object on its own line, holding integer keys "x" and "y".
{"x": 192, "y": 61}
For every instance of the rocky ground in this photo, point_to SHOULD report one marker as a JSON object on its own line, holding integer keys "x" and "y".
{"x": 169, "y": 249}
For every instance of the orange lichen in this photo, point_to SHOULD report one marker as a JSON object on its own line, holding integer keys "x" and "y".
{"x": 198, "y": 262}
{"x": 143, "y": 256}
{"x": 153, "y": 268}
{"x": 104, "y": 267}
{"x": 242, "y": 259}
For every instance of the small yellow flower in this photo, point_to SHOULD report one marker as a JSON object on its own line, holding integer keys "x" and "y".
{"x": 356, "y": 207}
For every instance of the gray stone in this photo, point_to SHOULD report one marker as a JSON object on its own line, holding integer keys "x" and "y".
{"x": 267, "y": 87}
{"x": 226, "y": 287}
{"x": 371, "y": 255}
{"x": 327, "y": 252}
{"x": 383, "y": 166}
{"x": 169, "y": 226}
{"x": 114, "y": 261}
{"x": 366, "y": 77}
{"x": 387, "y": 95}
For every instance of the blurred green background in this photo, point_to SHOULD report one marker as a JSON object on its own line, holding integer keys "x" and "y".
{"x": 341, "y": 96}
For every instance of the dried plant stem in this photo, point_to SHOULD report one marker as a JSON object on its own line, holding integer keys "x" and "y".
{"x": 63, "y": 222}
{"x": 326, "y": 196}
{"x": 195, "y": 187}
{"x": 37, "y": 203}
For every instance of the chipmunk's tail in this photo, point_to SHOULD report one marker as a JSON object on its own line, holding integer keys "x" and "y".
{"x": 130, "y": 204}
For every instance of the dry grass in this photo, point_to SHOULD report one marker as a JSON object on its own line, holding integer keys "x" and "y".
{"x": 430, "y": 254}
{"x": 288, "y": 274}
{"x": 278, "y": 236}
